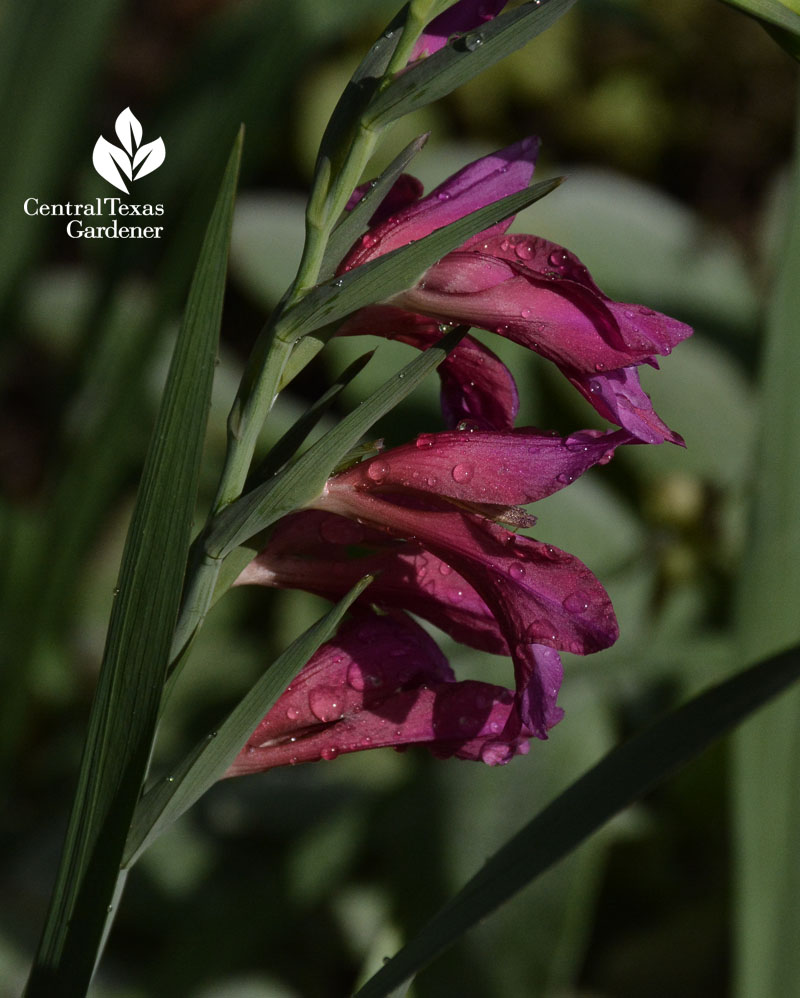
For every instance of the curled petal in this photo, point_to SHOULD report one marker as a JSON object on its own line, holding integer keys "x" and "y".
{"x": 473, "y": 466}
{"x": 538, "y": 593}
{"x": 476, "y": 385}
{"x": 618, "y": 397}
{"x": 382, "y": 681}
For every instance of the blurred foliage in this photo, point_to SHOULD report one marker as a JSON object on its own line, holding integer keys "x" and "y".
{"x": 297, "y": 883}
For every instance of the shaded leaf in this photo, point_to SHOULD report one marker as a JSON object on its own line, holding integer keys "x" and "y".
{"x": 211, "y": 757}
{"x": 623, "y": 776}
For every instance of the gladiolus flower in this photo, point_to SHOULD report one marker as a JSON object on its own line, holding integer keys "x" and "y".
{"x": 524, "y": 288}
{"x": 382, "y": 682}
{"x": 426, "y": 515}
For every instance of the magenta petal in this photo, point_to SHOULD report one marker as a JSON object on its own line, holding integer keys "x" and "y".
{"x": 502, "y": 468}
{"x": 539, "y": 594}
{"x": 403, "y": 192}
{"x": 382, "y": 681}
{"x": 461, "y": 17}
{"x": 310, "y": 551}
{"x": 618, "y": 397}
{"x": 476, "y": 385}
{"x": 487, "y": 180}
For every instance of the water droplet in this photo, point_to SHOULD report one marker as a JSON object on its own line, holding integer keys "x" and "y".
{"x": 516, "y": 571}
{"x": 577, "y": 602}
{"x": 558, "y": 258}
{"x": 526, "y": 313}
{"x": 564, "y": 478}
{"x": 292, "y": 713}
{"x": 338, "y": 283}
{"x": 472, "y": 42}
{"x": 444, "y": 568}
{"x": 540, "y": 630}
{"x": 443, "y": 196}
{"x": 456, "y": 595}
{"x": 424, "y": 440}
{"x": 329, "y": 753}
{"x": 594, "y": 386}
{"x": 599, "y": 367}
{"x": 462, "y": 472}
{"x": 377, "y": 470}
{"x": 326, "y": 703}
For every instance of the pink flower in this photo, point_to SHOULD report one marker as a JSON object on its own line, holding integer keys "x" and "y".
{"x": 524, "y": 288}
{"x": 382, "y": 682}
{"x": 424, "y": 515}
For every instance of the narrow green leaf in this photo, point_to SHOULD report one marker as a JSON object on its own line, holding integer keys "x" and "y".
{"x": 401, "y": 268}
{"x": 290, "y": 442}
{"x": 463, "y": 59}
{"x": 772, "y": 12}
{"x": 354, "y": 222}
{"x": 210, "y": 758}
{"x": 767, "y": 751}
{"x": 304, "y": 480}
{"x": 623, "y": 776}
{"x": 125, "y": 709}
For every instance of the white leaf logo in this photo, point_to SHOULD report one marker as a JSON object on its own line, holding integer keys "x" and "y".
{"x": 133, "y": 160}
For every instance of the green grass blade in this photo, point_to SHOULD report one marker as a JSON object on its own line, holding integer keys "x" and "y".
{"x": 125, "y": 709}
{"x": 304, "y": 480}
{"x": 209, "y": 760}
{"x": 767, "y": 751}
{"x": 623, "y": 776}
{"x": 463, "y": 59}
{"x": 393, "y": 272}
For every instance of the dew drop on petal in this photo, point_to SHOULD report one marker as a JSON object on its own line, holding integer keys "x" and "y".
{"x": 424, "y": 440}
{"x": 293, "y": 713}
{"x": 377, "y": 470}
{"x": 444, "y": 568}
{"x": 540, "y": 630}
{"x": 463, "y": 472}
{"x": 564, "y": 478}
{"x": 577, "y": 602}
{"x": 329, "y": 753}
{"x": 516, "y": 571}
{"x": 356, "y": 678}
{"x": 326, "y": 704}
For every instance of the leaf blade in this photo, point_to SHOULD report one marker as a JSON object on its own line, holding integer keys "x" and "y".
{"x": 207, "y": 762}
{"x": 620, "y": 778}
{"x": 124, "y": 713}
